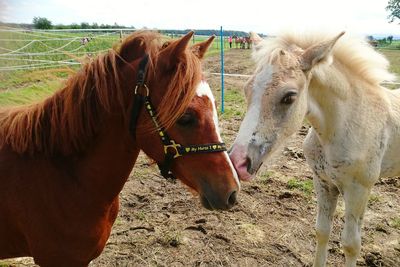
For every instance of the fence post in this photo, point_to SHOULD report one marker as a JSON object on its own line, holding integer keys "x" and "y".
{"x": 222, "y": 70}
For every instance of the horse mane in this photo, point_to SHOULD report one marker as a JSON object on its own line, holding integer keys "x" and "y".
{"x": 68, "y": 121}
{"x": 353, "y": 53}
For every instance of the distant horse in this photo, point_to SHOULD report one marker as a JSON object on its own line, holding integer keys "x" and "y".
{"x": 238, "y": 41}
{"x": 355, "y": 133}
{"x": 249, "y": 42}
{"x": 242, "y": 42}
{"x": 64, "y": 161}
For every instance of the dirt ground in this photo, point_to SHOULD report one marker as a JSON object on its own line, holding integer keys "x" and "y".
{"x": 162, "y": 224}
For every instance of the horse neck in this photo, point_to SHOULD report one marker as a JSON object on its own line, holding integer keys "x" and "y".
{"x": 108, "y": 161}
{"x": 104, "y": 160}
{"x": 106, "y": 165}
{"x": 334, "y": 98}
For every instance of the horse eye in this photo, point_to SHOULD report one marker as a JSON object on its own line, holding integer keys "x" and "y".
{"x": 187, "y": 120}
{"x": 289, "y": 98}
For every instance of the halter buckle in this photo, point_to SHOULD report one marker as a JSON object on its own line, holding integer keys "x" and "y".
{"x": 138, "y": 86}
{"x": 174, "y": 146}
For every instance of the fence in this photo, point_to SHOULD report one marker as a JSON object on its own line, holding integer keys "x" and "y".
{"x": 22, "y": 49}
{"x": 33, "y": 49}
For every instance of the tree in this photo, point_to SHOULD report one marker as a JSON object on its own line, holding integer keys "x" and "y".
{"x": 394, "y": 8}
{"x": 42, "y": 23}
{"x": 75, "y": 26}
{"x": 85, "y": 25}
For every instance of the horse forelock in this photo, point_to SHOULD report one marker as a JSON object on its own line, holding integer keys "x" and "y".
{"x": 180, "y": 90}
{"x": 354, "y": 53}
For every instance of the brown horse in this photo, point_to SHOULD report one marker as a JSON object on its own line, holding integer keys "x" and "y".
{"x": 64, "y": 161}
{"x": 242, "y": 42}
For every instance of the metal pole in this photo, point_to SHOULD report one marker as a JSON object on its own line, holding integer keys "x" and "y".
{"x": 222, "y": 70}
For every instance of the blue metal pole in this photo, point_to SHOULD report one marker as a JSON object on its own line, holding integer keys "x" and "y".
{"x": 222, "y": 70}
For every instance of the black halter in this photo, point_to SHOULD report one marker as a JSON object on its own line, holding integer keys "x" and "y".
{"x": 172, "y": 149}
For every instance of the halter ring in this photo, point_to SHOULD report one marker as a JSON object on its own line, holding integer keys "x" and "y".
{"x": 140, "y": 86}
{"x": 174, "y": 146}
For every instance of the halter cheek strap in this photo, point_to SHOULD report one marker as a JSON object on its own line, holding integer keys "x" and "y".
{"x": 172, "y": 149}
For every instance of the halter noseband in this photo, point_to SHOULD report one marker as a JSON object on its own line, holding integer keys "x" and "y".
{"x": 172, "y": 149}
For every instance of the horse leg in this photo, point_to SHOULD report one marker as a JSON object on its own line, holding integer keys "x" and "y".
{"x": 327, "y": 195}
{"x": 355, "y": 198}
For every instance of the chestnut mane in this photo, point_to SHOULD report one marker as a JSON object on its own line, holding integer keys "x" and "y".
{"x": 67, "y": 121}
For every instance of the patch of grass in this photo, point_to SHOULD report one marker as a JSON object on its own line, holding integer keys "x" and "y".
{"x": 235, "y": 106}
{"x": 265, "y": 177}
{"x": 140, "y": 215}
{"x": 373, "y": 199}
{"x": 304, "y": 186}
{"x": 394, "y": 57}
{"x": 29, "y": 94}
{"x": 395, "y": 223}
{"x": 173, "y": 239}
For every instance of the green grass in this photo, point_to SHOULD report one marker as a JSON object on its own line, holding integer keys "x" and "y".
{"x": 27, "y": 86}
{"x": 373, "y": 199}
{"x": 29, "y": 94}
{"x": 304, "y": 186}
{"x": 394, "y": 57}
{"x": 23, "y": 87}
{"x": 237, "y": 104}
{"x": 395, "y": 223}
{"x": 171, "y": 238}
{"x": 265, "y": 177}
{"x": 140, "y": 215}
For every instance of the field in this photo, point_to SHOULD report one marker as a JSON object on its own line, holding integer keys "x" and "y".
{"x": 162, "y": 224}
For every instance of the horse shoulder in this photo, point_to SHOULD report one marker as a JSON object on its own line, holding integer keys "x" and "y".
{"x": 313, "y": 152}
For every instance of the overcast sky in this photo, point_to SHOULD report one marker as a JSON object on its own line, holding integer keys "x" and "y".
{"x": 264, "y": 16}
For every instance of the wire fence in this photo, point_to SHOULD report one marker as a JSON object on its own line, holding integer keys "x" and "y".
{"x": 22, "y": 49}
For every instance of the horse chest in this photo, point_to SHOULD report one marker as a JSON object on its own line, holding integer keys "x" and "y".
{"x": 325, "y": 164}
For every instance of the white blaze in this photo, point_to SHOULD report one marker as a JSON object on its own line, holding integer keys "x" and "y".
{"x": 251, "y": 120}
{"x": 204, "y": 90}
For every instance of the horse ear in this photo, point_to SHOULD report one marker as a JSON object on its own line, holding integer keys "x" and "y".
{"x": 171, "y": 55}
{"x": 133, "y": 49}
{"x": 200, "y": 49}
{"x": 317, "y": 53}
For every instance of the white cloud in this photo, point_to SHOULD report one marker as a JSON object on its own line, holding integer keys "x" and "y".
{"x": 257, "y": 15}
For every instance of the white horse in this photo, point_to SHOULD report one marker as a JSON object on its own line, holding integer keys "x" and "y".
{"x": 355, "y": 133}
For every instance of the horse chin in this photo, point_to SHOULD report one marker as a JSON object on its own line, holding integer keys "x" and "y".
{"x": 206, "y": 204}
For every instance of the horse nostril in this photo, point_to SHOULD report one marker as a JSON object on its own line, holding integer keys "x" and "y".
{"x": 248, "y": 164}
{"x": 232, "y": 199}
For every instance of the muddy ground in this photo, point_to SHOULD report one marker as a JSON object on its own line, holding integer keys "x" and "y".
{"x": 162, "y": 224}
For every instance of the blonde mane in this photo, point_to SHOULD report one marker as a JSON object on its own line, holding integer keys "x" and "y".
{"x": 353, "y": 53}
